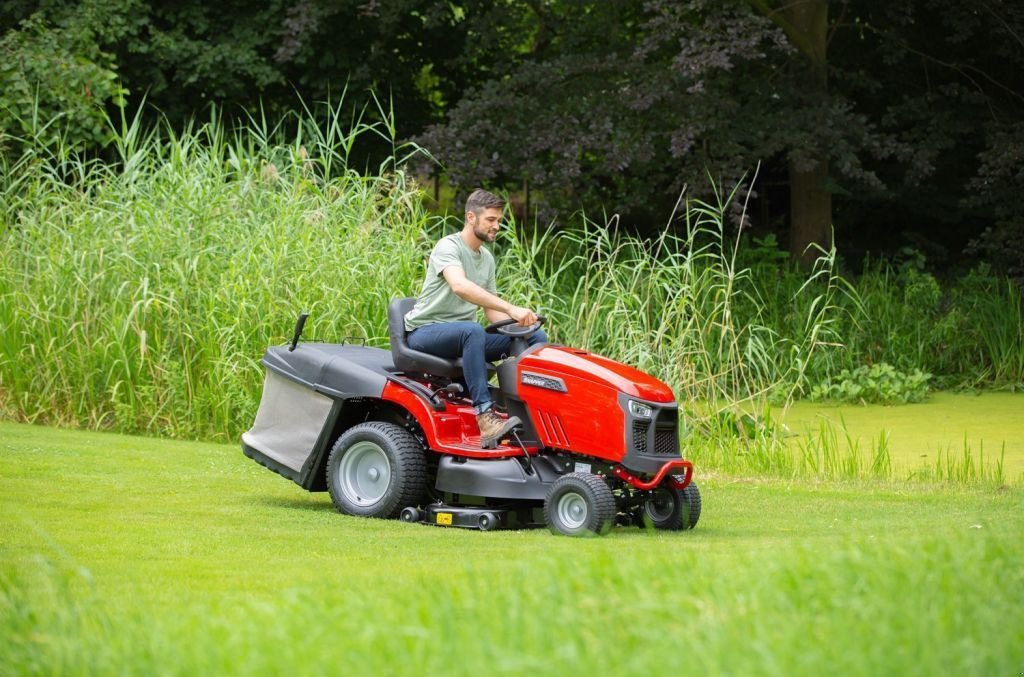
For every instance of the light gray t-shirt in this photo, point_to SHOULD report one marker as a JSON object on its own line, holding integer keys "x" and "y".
{"x": 437, "y": 302}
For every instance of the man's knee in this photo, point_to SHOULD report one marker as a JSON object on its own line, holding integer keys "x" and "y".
{"x": 473, "y": 332}
{"x": 538, "y": 337}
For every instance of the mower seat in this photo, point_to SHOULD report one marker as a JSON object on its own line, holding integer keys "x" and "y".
{"x": 413, "y": 361}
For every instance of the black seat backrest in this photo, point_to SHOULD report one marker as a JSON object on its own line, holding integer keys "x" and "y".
{"x": 413, "y": 361}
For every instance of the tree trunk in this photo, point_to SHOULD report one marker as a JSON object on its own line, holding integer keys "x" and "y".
{"x": 810, "y": 201}
{"x": 810, "y": 213}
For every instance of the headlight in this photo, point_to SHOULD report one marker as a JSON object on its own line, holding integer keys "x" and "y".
{"x": 639, "y": 409}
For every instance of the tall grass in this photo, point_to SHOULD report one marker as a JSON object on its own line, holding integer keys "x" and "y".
{"x": 680, "y": 306}
{"x": 139, "y": 295}
{"x": 967, "y": 332}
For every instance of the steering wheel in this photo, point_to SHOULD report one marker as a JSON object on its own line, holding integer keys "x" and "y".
{"x": 506, "y": 327}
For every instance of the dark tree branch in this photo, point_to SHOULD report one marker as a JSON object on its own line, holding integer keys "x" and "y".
{"x": 795, "y": 36}
{"x": 956, "y": 67}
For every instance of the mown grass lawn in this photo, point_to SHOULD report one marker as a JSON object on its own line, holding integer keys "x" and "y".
{"x": 128, "y": 554}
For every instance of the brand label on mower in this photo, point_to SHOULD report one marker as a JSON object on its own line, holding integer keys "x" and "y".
{"x": 540, "y": 381}
{"x": 444, "y": 518}
{"x": 582, "y": 467}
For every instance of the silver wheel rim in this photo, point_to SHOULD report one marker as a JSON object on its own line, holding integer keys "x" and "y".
{"x": 365, "y": 474}
{"x": 661, "y": 507}
{"x": 572, "y": 510}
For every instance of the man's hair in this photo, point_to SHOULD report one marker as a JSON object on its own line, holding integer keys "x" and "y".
{"x": 480, "y": 200}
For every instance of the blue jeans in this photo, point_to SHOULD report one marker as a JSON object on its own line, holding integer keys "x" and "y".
{"x": 476, "y": 347}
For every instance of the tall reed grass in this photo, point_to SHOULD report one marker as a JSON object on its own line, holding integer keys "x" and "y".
{"x": 138, "y": 295}
{"x": 680, "y": 306}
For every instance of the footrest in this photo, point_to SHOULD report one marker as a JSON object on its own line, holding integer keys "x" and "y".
{"x": 482, "y": 518}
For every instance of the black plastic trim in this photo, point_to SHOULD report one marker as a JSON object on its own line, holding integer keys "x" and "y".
{"x": 317, "y": 459}
{"x": 419, "y": 389}
{"x": 496, "y": 478}
{"x": 639, "y": 456}
{"x": 336, "y": 370}
{"x": 270, "y": 464}
{"x": 543, "y": 381}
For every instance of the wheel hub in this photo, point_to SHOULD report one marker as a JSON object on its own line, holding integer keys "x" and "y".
{"x": 365, "y": 474}
{"x": 572, "y": 510}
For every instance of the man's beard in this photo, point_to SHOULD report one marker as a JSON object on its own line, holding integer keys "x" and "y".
{"x": 482, "y": 235}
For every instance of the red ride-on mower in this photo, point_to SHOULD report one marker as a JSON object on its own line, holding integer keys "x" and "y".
{"x": 390, "y": 434}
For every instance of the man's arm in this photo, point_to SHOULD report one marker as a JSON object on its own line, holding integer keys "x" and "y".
{"x": 495, "y": 315}
{"x": 495, "y": 308}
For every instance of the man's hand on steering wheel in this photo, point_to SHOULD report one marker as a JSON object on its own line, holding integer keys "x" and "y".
{"x": 524, "y": 317}
{"x": 510, "y": 327}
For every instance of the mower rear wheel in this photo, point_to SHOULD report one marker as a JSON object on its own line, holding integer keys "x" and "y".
{"x": 579, "y": 504}
{"x": 375, "y": 469}
{"x": 673, "y": 509}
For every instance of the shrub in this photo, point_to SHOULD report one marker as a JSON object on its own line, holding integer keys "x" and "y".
{"x": 879, "y": 383}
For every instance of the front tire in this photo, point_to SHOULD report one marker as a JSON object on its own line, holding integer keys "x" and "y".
{"x": 579, "y": 504}
{"x": 673, "y": 509}
{"x": 375, "y": 469}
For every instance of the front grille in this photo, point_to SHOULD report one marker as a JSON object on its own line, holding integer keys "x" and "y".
{"x": 665, "y": 442}
{"x": 640, "y": 436}
{"x": 657, "y": 436}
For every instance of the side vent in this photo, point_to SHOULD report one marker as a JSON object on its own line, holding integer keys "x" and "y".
{"x": 551, "y": 427}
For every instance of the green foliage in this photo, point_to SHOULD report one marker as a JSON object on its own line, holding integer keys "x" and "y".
{"x": 879, "y": 383}
{"x": 601, "y": 105}
{"x": 54, "y": 84}
{"x": 184, "y": 57}
{"x": 966, "y": 333}
{"x": 140, "y": 296}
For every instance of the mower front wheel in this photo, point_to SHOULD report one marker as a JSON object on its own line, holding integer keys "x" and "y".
{"x": 673, "y": 509}
{"x": 579, "y": 504}
{"x": 375, "y": 469}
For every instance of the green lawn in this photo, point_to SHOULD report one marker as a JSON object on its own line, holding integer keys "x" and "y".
{"x": 988, "y": 423}
{"x": 126, "y": 554}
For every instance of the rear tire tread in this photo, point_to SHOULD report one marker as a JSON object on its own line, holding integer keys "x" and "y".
{"x": 409, "y": 471}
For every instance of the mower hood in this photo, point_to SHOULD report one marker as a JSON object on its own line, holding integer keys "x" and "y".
{"x": 551, "y": 360}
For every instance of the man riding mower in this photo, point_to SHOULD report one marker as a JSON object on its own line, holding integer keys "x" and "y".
{"x": 585, "y": 440}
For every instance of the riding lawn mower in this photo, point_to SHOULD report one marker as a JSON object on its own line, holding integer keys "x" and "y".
{"x": 391, "y": 434}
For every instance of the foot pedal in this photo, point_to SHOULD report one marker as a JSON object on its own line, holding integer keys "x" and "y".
{"x": 510, "y": 429}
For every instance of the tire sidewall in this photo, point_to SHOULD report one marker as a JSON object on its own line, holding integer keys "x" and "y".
{"x": 674, "y": 520}
{"x": 386, "y": 437}
{"x": 595, "y": 523}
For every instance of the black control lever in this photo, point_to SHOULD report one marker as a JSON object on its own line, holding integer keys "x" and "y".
{"x": 299, "y": 324}
{"x": 450, "y": 389}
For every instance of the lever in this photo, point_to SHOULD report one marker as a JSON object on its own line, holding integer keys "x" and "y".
{"x": 299, "y": 324}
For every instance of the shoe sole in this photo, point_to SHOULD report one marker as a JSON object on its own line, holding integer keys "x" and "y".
{"x": 492, "y": 442}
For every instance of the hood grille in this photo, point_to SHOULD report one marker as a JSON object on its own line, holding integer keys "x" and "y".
{"x": 657, "y": 438}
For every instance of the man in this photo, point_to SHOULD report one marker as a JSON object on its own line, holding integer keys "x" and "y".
{"x": 460, "y": 279}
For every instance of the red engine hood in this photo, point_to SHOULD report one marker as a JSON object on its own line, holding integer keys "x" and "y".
{"x": 559, "y": 360}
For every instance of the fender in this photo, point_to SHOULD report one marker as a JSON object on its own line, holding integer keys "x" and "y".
{"x": 449, "y": 431}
